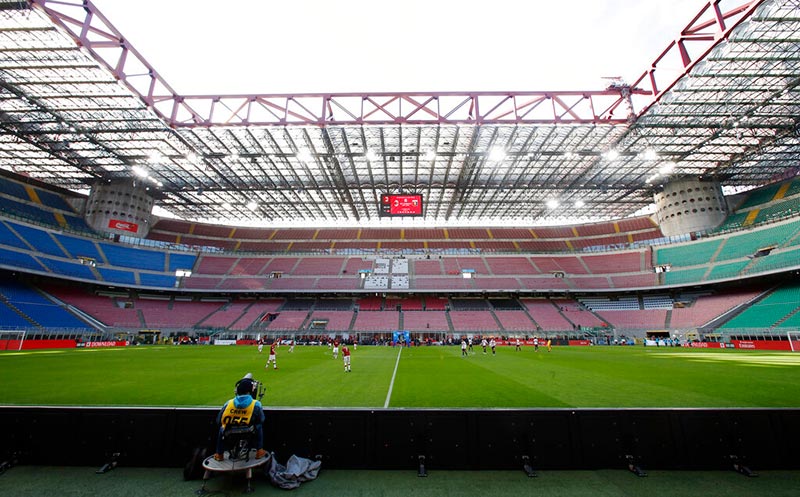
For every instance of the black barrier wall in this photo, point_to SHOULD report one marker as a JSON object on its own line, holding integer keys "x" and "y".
{"x": 394, "y": 439}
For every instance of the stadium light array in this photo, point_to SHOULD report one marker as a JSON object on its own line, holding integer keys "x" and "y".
{"x": 667, "y": 168}
{"x": 155, "y": 157}
{"x": 139, "y": 171}
{"x": 304, "y": 156}
{"x": 497, "y": 154}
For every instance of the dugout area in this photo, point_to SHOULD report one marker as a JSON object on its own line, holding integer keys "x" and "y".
{"x": 401, "y": 439}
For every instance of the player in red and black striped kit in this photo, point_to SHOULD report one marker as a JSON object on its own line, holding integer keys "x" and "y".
{"x": 346, "y": 358}
{"x": 272, "y": 356}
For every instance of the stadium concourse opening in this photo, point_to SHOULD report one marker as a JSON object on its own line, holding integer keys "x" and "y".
{"x": 526, "y": 280}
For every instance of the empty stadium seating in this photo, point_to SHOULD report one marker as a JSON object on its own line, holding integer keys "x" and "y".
{"x": 35, "y": 308}
{"x": 388, "y": 320}
{"x": 780, "y": 304}
{"x": 312, "y": 262}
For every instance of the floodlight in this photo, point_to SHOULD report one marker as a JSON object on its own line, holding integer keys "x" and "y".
{"x": 552, "y": 203}
{"x": 372, "y": 156}
{"x": 252, "y": 205}
{"x": 579, "y": 203}
{"x": 304, "y": 155}
{"x": 612, "y": 154}
{"x": 155, "y": 157}
{"x": 667, "y": 168}
{"x": 139, "y": 171}
{"x": 497, "y": 154}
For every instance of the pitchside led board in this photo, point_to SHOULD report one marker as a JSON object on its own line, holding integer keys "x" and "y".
{"x": 400, "y": 205}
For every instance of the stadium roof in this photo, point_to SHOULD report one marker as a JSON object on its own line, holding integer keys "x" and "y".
{"x": 79, "y": 104}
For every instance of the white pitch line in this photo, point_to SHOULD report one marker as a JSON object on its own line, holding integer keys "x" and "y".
{"x": 391, "y": 385}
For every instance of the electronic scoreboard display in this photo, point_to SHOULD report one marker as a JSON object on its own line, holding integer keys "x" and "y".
{"x": 400, "y": 205}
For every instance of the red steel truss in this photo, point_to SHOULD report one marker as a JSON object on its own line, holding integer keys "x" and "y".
{"x": 617, "y": 104}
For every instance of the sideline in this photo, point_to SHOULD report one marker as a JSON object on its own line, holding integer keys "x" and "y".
{"x": 391, "y": 385}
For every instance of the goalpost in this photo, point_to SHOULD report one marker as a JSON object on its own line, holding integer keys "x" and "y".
{"x": 12, "y": 339}
{"x": 794, "y": 340}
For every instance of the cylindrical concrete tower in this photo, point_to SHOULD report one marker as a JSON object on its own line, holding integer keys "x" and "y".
{"x": 689, "y": 205}
{"x": 120, "y": 206}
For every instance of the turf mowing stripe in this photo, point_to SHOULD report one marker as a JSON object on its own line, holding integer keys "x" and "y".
{"x": 391, "y": 385}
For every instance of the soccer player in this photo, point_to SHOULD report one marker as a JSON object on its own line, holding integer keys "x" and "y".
{"x": 484, "y": 343}
{"x": 463, "y": 348}
{"x": 272, "y": 355}
{"x": 346, "y": 358}
{"x": 260, "y": 345}
{"x": 493, "y": 344}
{"x": 291, "y": 345}
{"x": 517, "y": 346}
{"x": 469, "y": 344}
{"x": 536, "y": 344}
{"x": 549, "y": 345}
{"x": 335, "y": 348}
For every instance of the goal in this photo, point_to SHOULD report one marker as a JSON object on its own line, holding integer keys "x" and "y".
{"x": 794, "y": 340}
{"x": 12, "y": 339}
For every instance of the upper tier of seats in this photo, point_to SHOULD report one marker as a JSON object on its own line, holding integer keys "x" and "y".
{"x": 406, "y": 240}
{"x": 39, "y": 205}
{"x": 767, "y": 204}
{"x": 330, "y": 259}
{"x": 37, "y": 249}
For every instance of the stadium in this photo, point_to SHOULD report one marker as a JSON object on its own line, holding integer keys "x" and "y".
{"x": 632, "y": 251}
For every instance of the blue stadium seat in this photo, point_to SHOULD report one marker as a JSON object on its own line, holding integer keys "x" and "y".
{"x": 13, "y": 188}
{"x": 65, "y": 268}
{"x": 10, "y": 319}
{"x": 133, "y": 257}
{"x": 159, "y": 280}
{"x": 8, "y": 238}
{"x": 79, "y": 247}
{"x": 53, "y": 200}
{"x": 181, "y": 261}
{"x": 37, "y": 307}
{"x": 19, "y": 260}
{"x": 38, "y": 238}
{"x": 117, "y": 276}
{"x": 27, "y": 211}
{"x": 77, "y": 223}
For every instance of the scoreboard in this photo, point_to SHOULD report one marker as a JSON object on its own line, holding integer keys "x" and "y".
{"x": 400, "y": 205}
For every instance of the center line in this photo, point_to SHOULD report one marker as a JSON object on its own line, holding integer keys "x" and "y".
{"x": 391, "y": 385}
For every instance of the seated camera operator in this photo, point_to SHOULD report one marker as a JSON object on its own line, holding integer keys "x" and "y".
{"x": 242, "y": 410}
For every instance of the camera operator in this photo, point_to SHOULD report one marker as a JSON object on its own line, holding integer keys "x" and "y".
{"x": 242, "y": 410}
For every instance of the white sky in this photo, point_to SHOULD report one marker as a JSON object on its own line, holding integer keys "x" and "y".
{"x": 296, "y": 46}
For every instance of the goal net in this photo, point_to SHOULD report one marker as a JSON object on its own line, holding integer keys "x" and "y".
{"x": 11, "y": 339}
{"x": 794, "y": 340}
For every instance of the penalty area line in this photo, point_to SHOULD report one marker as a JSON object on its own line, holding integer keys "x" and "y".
{"x": 391, "y": 385}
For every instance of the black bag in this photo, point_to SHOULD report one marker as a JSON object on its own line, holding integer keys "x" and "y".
{"x": 194, "y": 468}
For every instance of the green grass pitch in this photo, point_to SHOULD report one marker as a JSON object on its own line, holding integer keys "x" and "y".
{"x": 425, "y": 377}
